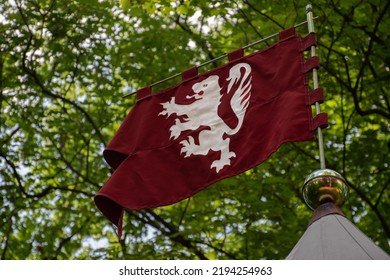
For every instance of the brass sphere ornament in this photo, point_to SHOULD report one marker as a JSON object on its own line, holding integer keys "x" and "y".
{"x": 324, "y": 185}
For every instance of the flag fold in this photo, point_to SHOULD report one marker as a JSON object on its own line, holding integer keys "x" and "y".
{"x": 211, "y": 126}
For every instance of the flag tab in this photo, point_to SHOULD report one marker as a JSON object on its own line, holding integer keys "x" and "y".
{"x": 320, "y": 120}
{"x": 312, "y": 63}
{"x": 284, "y": 34}
{"x": 308, "y": 41}
{"x": 315, "y": 96}
{"x": 236, "y": 54}
{"x": 189, "y": 73}
{"x": 144, "y": 92}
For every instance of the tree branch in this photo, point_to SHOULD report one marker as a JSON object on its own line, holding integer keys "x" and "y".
{"x": 202, "y": 43}
{"x": 184, "y": 212}
{"x": 34, "y": 75}
{"x": 68, "y": 239}
{"x": 381, "y": 193}
{"x": 69, "y": 165}
{"x": 248, "y": 21}
{"x": 168, "y": 230}
{"x": 367, "y": 53}
{"x": 263, "y": 14}
{"x": 19, "y": 180}
{"x": 373, "y": 207}
{"x": 7, "y": 235}
{"x": 231, "y": 256}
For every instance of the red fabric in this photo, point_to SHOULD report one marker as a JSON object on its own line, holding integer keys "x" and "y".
{"x": 236, "y": 54}
{"x": 315, "y": 96}
{"x": 189, "y": 73}
{"x": 153, "y": 168}
{"x": 284, "y": 34}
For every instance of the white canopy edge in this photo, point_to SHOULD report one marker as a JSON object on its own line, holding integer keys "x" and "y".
{"x": 334, "y": 237}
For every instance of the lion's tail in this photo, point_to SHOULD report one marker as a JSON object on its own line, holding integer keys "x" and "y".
{"x": 240, "y": 99}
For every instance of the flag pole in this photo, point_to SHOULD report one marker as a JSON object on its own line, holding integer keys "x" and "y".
{"x": 223, "y": 56}
{"x": 310, "y": 25}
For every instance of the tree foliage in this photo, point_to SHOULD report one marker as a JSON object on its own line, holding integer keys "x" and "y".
{"x": 64, "y": 67}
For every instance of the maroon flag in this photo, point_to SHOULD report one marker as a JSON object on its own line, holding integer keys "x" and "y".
{"x": 177, "y": 142}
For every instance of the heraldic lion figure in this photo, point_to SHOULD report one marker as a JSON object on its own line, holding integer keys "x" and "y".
{"x": 203, "y": 112}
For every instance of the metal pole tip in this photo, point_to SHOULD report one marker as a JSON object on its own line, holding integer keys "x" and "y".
{"x": 325, "y": 185}
{"x": 309, "y": 8}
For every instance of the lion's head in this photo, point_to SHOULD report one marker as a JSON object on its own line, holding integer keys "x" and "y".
{"x": 207, "y": 86}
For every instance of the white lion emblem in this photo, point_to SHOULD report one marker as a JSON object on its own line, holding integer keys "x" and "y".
{"x": 204, "y": 112}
